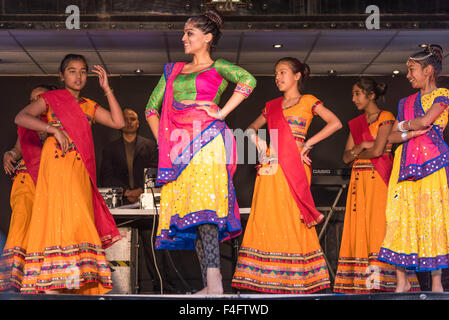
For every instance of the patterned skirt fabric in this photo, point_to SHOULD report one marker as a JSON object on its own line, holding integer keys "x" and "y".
{"x": 359, "y": 270}
{"x": 202, "y": 193}
{"x": 13, "y": 257}
{"x": 64, "y": 250}
{"x": 279, "y": 254}
{"x": 417, "y": 234}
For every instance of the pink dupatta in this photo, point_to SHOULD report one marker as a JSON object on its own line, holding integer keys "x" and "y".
{"x": 183, "y": 130}
{"x": 31, "y": 146}
{"x": 360, "y": 132}
{"x": 291, "y": 163}
{"x": 425, "y": 154}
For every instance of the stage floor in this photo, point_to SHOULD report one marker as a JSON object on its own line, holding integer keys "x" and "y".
{"x": 233, "y": 297}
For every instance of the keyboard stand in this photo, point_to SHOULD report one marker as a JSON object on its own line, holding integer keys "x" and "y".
{"x": 329, "y": 180}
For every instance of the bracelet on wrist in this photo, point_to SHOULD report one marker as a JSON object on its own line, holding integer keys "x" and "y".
{"x": 108, "y": 92}
{"x": 401, "y": 127}
{"x": 220, "y": 115}
{"x": 404, "y": 136}
{"x": 306, "y": 146}
{"x": 47, "y": 127}
{"x": 13, "y": 153}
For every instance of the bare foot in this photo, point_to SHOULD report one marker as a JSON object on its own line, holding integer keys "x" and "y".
{"x": 437, "y": 288}
{"x": 51, "y": 291}
{"x": 403, "y": 287}
{"x": 202, "y": 291}
{"x": 440, "y": 289}
{"x": 214, "y": 281}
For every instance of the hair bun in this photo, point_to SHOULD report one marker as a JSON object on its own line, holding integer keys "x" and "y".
{"x": 435, "y": 50}
{"x": 381, "y": 89}
{"x": 306, "y": 74}
{"x": 214, "y": 16}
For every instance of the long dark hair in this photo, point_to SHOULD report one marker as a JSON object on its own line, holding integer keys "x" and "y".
{"x": 432, "y": 55}
{"x": 297, "y": 66}
{"x": 369, "y": 86}
{"x": 210, "y": 22}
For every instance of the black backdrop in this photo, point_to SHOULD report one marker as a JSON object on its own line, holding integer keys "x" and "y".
{"x": 133, "y": 92}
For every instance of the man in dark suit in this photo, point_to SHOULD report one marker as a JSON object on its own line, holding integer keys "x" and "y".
{"x": 124, "y": 159}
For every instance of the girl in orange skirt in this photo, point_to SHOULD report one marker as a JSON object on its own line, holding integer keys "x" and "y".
{"x": 70, "y": 224}
{"x": 280, "y": 252}
{"x": 23, "y": 189}
{"x": 359, "y": 270}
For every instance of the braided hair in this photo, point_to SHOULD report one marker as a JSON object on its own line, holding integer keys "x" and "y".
{"x": 431, "y": 55}
{"x": 210, "y": 22}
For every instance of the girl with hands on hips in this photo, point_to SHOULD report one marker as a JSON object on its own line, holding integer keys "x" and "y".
{"x": 187, "y": 96}
{"x": 283, "y": 214}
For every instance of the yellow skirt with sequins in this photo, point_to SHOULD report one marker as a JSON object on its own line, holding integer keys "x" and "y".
{"x": 417, "y": 216}
{"x": 199, "y": 195}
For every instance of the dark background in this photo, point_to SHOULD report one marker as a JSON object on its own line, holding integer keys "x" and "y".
{"x": 133, "y": 92}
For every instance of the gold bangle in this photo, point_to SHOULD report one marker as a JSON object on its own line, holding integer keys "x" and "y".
{"x": 13, "y": 153}
{"x": 47, "y": 127}
{"x": 108, "y": 92}
{"x": 306, "y": 146}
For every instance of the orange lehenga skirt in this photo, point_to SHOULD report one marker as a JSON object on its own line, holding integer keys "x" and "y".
{"x": 279, "y": 253}
{"x": 13, "y": 257}
{"x": 359, "y": 270}
{"x": 64, "y": 250}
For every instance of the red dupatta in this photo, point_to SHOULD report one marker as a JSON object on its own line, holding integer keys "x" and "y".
{"x": 75, "y": 123}
{"x": 360, "y": 132}
{"x": 31, "y": 146}
{"x": 291, "y": 163}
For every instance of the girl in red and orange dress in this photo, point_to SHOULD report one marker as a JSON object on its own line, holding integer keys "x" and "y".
{"x": 70, "y": 224}
{"x": 359, "y": 270}
{"x": 280, "y": 252}
{"x": 23, "y": 189}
